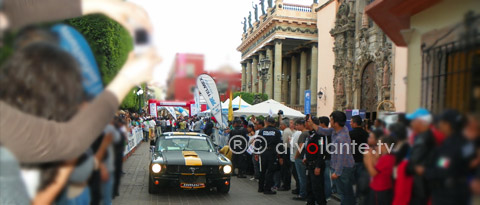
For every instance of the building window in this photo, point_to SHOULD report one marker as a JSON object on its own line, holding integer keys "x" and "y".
{"x": 451, "y": 71}
{"x": 190, "y": 70}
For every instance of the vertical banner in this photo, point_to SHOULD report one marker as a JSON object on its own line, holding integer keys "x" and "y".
{"x": 196, "y": 97}
{"x": 307, "y": 102}
{"x": 230, "y": 108}
{"x": 239, "y": 103}
{"x": 153, "y": 109}
{"x": 171, "y": 110}
{"x": 355, "y": 112}
{"x": 193, "y": 110}
{"x": 208, "y": 89}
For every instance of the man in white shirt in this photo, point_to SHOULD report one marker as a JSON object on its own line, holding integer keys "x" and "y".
{"x": 151, "y": 129}
{"x": 169, "y": 125}
{"x": 293, "y": 149}
{"x": 146, "y": 127}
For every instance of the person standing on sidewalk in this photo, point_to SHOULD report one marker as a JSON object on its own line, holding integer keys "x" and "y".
{"x": 315, "y": 163}
{"x": 259, "y": 125}
{"x": 299, "y": 154}
{"x": 286, "y": 167}
{"x": 342, "y": 162}
{"x": 359, "y": 136}
{"x": 240, "y": 160}
{"x": 270, "y": 159}
{"x": 324, "y": 122}
{"x": 146, "y": 127}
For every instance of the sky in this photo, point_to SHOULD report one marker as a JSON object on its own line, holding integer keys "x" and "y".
{"x": 209, "y": 27}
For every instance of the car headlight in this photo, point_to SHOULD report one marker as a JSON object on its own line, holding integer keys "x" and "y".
{"x": 156, "y": 168}
{"x": 227, "y": 169}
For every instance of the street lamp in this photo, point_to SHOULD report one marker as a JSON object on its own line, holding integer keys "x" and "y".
{"x": 139, "y": 94}
{"x": 320, "y": 95}
{"x": 263, "y": 67}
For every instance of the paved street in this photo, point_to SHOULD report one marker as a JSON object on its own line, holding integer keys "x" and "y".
{"x": 134, "y": 189}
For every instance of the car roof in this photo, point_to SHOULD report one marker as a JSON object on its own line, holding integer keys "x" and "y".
{"x": 183, "y": 134}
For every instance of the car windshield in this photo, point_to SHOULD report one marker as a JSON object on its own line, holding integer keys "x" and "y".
{"x": 184, "y": 143}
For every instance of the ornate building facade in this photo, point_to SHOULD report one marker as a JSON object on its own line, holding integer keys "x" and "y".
{"x": 286, "y": 35}
{"x": 363, "y": 65}
{"x": 331, "y": 48}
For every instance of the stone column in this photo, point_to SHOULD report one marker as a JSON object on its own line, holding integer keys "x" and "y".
{"x": 254, "y": 74}
{"x": 277, "y": 89}
{"x": 314, "y": 75}
{"x": 249, "y": 76}
{"x": 285, "y": 81}
{"x": 303, "y": 76}
{"x": 244, "y": 77}
{"x": 293, "y": 80}
{"x": 269, "y": 86}
{"x": 260, "y": 81}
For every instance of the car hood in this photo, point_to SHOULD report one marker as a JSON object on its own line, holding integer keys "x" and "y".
{"x": 191, "y": 158}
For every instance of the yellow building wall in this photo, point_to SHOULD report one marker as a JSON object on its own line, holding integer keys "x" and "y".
{"x": 326, "y": 59}
{"x": 400, "y": 64}
{"x": 441, "y": 15}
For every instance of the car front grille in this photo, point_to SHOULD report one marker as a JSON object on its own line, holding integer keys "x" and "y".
{"x": 178, "y": 169}
{"x": 192, "y": 179}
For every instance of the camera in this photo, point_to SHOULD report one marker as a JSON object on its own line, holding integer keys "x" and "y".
{"x": 280, "y": 112}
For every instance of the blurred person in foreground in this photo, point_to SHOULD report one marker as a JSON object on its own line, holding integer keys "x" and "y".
{"x": 380, "y": 163}
{"x": 472, "y": 133}
{"x": 342, "y": 162}
{"x": 449, "y": 168}
{"x": 119, "y": 146}
{"x": 38, "y": 69}
{"x": 59, "y": 141}
{"x": 422, "y": 152}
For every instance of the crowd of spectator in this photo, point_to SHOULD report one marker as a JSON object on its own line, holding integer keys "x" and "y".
{"x": 421, "y": 158}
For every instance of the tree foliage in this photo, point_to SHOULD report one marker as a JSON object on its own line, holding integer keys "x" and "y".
{"x": 110, "y": 44}
{"x": 250, "y": 98}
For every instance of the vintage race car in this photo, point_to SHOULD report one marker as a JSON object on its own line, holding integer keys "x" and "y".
{"x": 188, "y": 160}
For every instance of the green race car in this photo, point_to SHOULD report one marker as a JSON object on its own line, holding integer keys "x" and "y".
{"x": 188, "y": 160}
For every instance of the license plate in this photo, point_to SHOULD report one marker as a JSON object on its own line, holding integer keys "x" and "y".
{"x": 192, "y": 185}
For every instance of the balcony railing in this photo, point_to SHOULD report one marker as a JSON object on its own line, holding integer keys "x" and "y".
{"x": 295, "y": 7}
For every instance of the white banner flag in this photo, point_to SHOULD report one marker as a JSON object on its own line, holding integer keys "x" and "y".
{"x": 207, "y": 87}
{"x": 171, "y": 110}
{"x": 196, "y": 97}
{"x": 153, "y": 109}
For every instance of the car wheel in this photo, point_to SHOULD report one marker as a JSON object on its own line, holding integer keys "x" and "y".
{"x": 152, "y": 189}
{"x": 223, "y": 189}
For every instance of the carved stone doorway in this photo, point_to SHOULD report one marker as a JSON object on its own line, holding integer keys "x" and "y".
{"x": 369, "y": 94}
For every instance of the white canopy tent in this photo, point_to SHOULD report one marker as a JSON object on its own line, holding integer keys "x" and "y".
{"x": 235, "y": 103}
{"x": 267, "y": 108}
